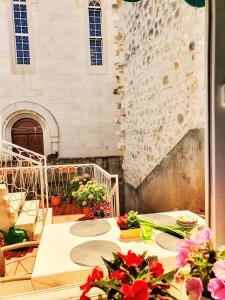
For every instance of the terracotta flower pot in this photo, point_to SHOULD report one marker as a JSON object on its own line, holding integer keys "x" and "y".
{"x": 87, "y": 211}
{"x": 55, "y": 200}
{"x": 130, "y": 233}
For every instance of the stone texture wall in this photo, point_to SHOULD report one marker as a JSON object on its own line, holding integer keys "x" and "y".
{"x": 177, "y": 183}
{"x": 78, "y": 96}
{"x": 162, "y": 66}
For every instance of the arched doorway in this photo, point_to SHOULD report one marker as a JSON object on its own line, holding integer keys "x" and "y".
{"x": 28, "y": 133}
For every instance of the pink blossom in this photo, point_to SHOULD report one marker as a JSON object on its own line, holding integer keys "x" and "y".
{"x": 216, "y": 287}
{"x": 194, "y": 287}
{"x": 84, "y": 203}
{"x": 185, "y": 244}
{"x": 203, "y": 236}
{"x": 181, "y": 258}
{"x": 219, "y": 269}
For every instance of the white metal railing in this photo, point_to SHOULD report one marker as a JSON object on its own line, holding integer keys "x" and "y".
{"x": 22, "y": 170}
{"x": 59, "y": 177}
{"x": 25, "y": 171}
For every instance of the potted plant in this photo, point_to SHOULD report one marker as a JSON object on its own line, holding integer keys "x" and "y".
{"x": 100, "y": 210}
{"x": 56, "y": 199}
{"x": 130, "y": 276}
{"x": 129, "y": 225}
{"x": 89, "y": 194}
{"x": 201, "y": 267}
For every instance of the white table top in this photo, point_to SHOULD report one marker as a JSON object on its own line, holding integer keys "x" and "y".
{"x": 54, "y": 267}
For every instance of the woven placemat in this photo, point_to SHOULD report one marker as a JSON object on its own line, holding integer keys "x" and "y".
{"x": 159, "y": 219}
{"x": 167, "y": 241}
{"x": 91, "y": 253}
{"x": 90, "y": 228}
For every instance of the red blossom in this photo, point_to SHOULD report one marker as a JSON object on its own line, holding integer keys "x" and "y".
{"x": 131, "y": 259}
{"x": 137, "y": 291}
{"x": 122, "y": 221}
{"x": 156, "y": 268}
{"x": 119, "y": 275}
{"x": 97, "y": 274}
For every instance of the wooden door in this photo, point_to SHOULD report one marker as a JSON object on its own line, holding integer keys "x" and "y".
{"x": 28, "y": 133}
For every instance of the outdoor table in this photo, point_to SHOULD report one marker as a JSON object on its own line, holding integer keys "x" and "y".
{"x": 54, "y": 267}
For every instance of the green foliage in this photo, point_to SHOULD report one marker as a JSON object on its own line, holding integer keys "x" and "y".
{"x": 132, "y": 220}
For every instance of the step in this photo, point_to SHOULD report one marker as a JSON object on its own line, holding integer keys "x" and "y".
{"x": 39, "y": 225}
{"x": 2, "y": 186}
{"x": 27, "y": 217}
{"x": 16, "y": 201}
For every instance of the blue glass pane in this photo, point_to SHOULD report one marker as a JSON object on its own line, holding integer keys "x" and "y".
{"x": 24, "y": 29}
{"x": 18, "y": 29}
{"x": 17, "y": 22}
{"x": 25, "y": 39}
{"x": 24, "y": 22}
{"x": 23, "y": 7}
{"x": 16, "y": 14}
{"x": 19, "y": 61}
{"x": 19, "y": 46}
{"x": 27, "y": 61}
{"x": 26, "y": 46}
{"x": 19, "y": 53}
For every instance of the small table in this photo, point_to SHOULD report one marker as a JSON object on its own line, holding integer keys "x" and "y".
{"x": 54, "y": 267}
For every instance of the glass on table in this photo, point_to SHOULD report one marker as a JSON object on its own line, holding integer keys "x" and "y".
{"x": 147, "y": 233}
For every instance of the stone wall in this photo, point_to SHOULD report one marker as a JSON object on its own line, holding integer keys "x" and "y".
{"x": 161, "y": 59}
{"x": 60, "y": 81}
{"x": 177, "y": 183}
{"x": 163, "y": 77}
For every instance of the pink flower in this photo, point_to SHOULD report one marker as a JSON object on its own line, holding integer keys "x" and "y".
{"x": 194, "y": 287}
{"x": 181, "y": 258}
{"x": 185, "y": 244}
{"x": 219, "y": 269}
{"x": 216, "y": 287}
{"x": 84, "y": 203}
{"x": 203, "y": 236}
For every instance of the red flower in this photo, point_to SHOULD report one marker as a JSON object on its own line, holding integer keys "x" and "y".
{"x": 156, "y": 268}
{"x": 131, "y": 259}
{"x": 122, "y": 221}
{"x": 137, "y": 291}
{"x": 119, "y": 275}
{"x": 97, "y": 274}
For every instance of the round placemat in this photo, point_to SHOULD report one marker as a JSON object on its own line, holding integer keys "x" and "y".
{"x": 159, "y": 219}
{"x": 90, "y": 253}
{"x": 90, "y": 228}
{"x": 167, "y": 241}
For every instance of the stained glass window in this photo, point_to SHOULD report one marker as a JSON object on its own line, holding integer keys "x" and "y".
{"x": 21, "y": 32}
{"x": 95, "y": 33}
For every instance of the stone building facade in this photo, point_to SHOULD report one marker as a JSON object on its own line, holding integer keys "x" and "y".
{"x": 161, "y": 59}
{"x": 59, "y": 89}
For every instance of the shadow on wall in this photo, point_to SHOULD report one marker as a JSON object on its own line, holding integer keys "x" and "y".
{"x": 177, "y": 183}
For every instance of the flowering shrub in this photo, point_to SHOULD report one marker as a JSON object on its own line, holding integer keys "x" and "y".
{"x": 201, "y": 266}
{"x": 89, "y": 194}
{"x": 131, "y": 277}
{"x": 129, "y": 220}
{"x": 77, "y": 181}
{"x": 100, "y": 210}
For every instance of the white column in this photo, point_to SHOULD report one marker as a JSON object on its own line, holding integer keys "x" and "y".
{"x": 216, "y": 124}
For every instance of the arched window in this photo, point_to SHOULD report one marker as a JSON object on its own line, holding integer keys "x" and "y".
{"x": 95, "y": 33}
{"x": 21, "y": 32}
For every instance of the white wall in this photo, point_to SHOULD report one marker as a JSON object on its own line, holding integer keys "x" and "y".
{"x": 60, "y": 79}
